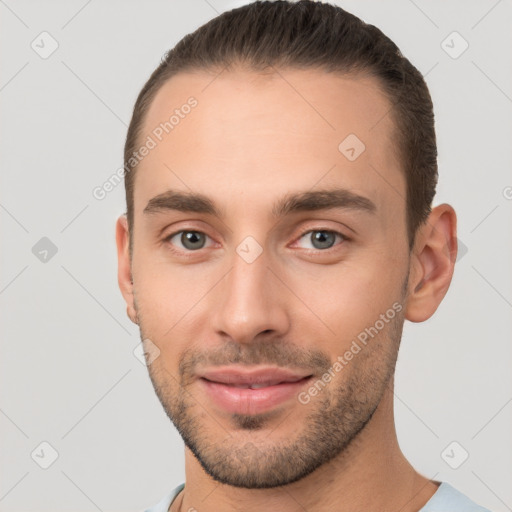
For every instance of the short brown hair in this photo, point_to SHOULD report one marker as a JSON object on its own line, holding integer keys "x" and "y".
{"x": 308, "y": 34}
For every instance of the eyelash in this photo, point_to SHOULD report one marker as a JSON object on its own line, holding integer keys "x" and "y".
{"x": 190, "y": 253}
{"x": 324, "y": 230}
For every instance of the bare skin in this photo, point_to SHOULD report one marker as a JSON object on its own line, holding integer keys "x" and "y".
{"x": 252, "y": 139}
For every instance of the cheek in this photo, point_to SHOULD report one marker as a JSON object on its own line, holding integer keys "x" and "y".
{"x": 342, "y": 303}
{"x": 160, "y": 303}
{"x": 170, "y": 303}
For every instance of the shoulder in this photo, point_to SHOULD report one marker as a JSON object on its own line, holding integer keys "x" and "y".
{"x": 449, "y": 499}
{"x": 164, "y": 504}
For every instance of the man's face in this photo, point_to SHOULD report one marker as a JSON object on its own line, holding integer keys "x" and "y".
{"x": 250, "y": 289}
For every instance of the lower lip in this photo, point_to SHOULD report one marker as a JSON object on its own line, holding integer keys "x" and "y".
{"x": 251, "y": 401}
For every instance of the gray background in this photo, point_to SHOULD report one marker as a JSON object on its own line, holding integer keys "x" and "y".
{"x": 68, "y": 374}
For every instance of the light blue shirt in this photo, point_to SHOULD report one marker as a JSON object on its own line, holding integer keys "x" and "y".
{"x": 445, "y": 499}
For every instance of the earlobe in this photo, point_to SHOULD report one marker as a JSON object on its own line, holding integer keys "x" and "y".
{"x": 124, "y": 275}
{"x": 132, "y": 315}
{"x": 433, "y": 262}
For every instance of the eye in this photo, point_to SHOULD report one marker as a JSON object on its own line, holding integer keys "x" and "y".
{"x": 190, "y": 240}
{"x": 322, "y": 239}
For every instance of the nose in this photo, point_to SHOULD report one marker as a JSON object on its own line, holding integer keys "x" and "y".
{"x": 250, "y": 302}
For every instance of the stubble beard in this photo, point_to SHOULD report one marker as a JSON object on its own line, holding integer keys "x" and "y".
{"x": 337, "y": 415}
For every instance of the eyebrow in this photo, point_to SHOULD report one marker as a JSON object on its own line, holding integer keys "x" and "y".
{"x": 339, "y": 198}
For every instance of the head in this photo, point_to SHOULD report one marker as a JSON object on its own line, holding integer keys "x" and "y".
{"x": 281, "y": 216}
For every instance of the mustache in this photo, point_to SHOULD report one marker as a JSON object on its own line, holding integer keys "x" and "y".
{"x": 272, "y": 353}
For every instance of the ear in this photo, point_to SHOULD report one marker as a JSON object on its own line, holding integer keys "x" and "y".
{"x": 432, "y": 263}
{"x": 124, "y": 274}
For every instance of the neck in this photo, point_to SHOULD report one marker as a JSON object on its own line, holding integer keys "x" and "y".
{"x": 371, "y": 474}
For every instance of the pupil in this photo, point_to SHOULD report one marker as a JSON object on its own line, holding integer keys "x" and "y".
{"x": 191, "y": 237}
{"x": 321, "y": 237}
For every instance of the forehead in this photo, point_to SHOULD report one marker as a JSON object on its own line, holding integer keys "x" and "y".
{"x": 268, "y": 133}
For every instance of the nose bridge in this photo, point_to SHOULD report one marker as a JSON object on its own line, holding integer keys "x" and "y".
{"x": 249, "y": 301}
{"x": 247, "y": 282}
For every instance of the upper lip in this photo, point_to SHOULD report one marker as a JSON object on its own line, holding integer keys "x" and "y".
{"x": 238, "y": 376}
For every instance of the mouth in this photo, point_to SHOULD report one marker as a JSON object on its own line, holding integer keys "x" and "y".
{"x": 239, "y": 392}
{"x": 260, "y": 376}
{"x": 258, "y": 385}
